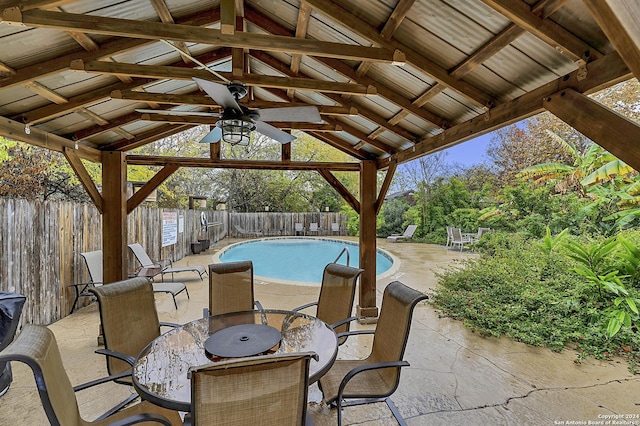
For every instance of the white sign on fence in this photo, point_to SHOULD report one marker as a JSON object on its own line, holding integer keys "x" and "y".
{"x": 181, "y": 223}
{"x": 169, "y": 228}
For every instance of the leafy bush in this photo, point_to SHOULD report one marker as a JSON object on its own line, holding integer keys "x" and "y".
{"x": 531, "y": 291}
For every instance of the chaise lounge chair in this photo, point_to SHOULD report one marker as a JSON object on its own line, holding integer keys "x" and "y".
{"x": 241, "y": 232}
{"x": 164, "y": 267}
{"x": 93, "y": 259}
{"x": 407, "y": 235}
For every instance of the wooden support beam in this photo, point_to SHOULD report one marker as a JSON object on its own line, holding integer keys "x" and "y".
{"x": 141, "y": 194}
{"x": 179, "y": 73}
{"x": 186, "y": 33}
{"x": 114, "y": 217}
{"x": 285, "y": 152}
{"x": 367, "y": 311}
{"x": 620, "y": 21}
{"x": 82, "y": 174}
{"x": 385, "y": 185}
{"x": 13, "y": 130}
{"x": 45, "y": 92}
{"x": 214, "y": 151}
{"x": 149, "y": 160}
{"x": 607, "y": 128}
{"x": 340, "y": 145}
{"x": 340, "y": 189}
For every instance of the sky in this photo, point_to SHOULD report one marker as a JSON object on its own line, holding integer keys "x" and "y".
{"x": 469, "y": 153}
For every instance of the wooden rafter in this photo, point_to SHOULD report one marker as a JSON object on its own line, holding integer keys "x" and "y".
{"x": 141, "y": 194}
{"x": 83, "y": 176}
{"x": 186, "y": 33}
{"x": 335, "y": 12}
{"x": 340, "y": 189}
{"x": 520, "y": 13}
{"x": 614, "y": 132}
{"x": 304, "y": 14}
{"x": 620, "y": 21}
{"x": 386, "y": 184}
{"x": 165, "y": 16}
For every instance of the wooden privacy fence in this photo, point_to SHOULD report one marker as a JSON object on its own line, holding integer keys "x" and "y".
{"x": 276, "y": 223}
{"x": 41, "y": 242}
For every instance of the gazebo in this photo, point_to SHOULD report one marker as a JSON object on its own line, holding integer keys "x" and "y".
{"x": 392, "y": 80}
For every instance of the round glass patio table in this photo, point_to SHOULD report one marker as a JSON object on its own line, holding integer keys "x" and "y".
{"x": 160, "y": 371}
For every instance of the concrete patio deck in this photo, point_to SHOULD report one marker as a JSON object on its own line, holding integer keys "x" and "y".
{"x": 456, "y": 377}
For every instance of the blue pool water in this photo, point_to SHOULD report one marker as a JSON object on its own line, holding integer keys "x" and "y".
{"x": 297, "y": 259}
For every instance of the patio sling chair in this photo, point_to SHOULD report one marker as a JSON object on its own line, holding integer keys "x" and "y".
{"x": 129, "y": 320}
{"x": 231, "y": 288}
{"x": 335, "y": 228}
{"x": 36, "y": 346}
{"x": 458, "y": 239}
{"x": 299, "y": 229}
{"x": 241, "y": 232}
{"x": 267, "y": 390}
{"x": 93, "y": 259}
{"x": 376, "y": 378}
{"x": 335, "y": 302}
{"x": 313, "y": 227}
{"x": 406, "y": 235}
{"x": 165, "y": 266}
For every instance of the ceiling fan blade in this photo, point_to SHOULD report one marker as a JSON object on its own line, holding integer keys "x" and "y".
{"x": 273, "y": 132}
{"x": 305, "y": 114}
{"x": 181, "y": 113}
{"x": 213, "y": 136}
{"x": 219, "y": 93}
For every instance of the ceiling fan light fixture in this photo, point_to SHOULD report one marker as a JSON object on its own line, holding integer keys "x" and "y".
{"x": 236, "y": 131}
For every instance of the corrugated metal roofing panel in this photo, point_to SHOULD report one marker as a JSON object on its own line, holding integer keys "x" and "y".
{"x": 34, "y": 45}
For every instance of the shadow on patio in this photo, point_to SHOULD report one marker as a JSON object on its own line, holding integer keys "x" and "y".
{"x": 455, "y": 377}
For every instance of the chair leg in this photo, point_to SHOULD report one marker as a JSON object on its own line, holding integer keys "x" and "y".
{"x": 395, "y": 412}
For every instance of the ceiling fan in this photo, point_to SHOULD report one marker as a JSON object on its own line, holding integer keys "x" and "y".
{"x": 238, "y": 121}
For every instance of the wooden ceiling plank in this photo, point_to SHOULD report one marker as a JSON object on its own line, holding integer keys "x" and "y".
{"x": 6, "y": 70}
{"x": 46, "y": 93}
{"x": 84, "y": 177}
{"x": 159, "y": 31}
{"x": 362, "y": 136}
{"x": 178, "y": 73}
{"x": 113, "y": 124}
{"x": 620, "y": 21}
{"x": 16, "y": 131}
{"x": 607, "y": 128}
{"x": 107, "y": 49}
{"x": 520, "y": 13}
{"x": 337, "y": 13}
{"x": 603, "y": 72}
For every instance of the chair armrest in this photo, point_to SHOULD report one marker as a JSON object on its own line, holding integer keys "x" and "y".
{"x": 342, "y": 322}
{"x": 170, "y": 324}
{"x": 258, "y": 305}
{"x": 101, "y": 380}
{"x": 355, "y": 333}
{"x": 121, "y": 356}
{"x": 140, "y": 418}
{"x": 308, "y": 305}
{"x": 368, "y": 367}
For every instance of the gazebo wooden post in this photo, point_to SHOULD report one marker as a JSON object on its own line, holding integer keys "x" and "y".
{"x": 367, "y": 310}
{"x": 114, "y": 216}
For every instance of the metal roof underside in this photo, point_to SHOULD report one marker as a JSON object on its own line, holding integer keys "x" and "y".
{"x": 392, "y": 75}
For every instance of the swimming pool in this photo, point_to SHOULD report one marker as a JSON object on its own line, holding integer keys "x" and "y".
{"x": 298, "y": 259}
